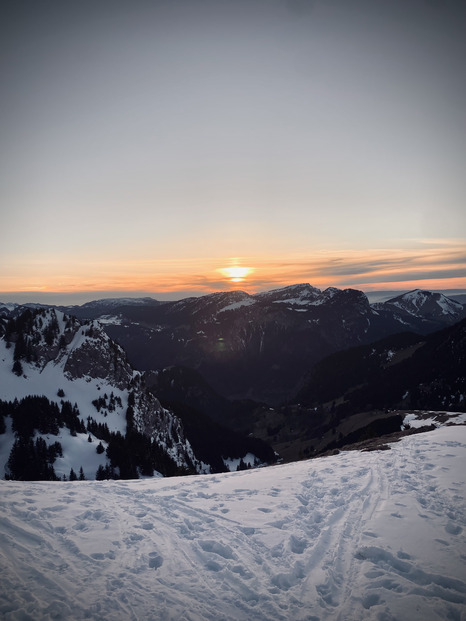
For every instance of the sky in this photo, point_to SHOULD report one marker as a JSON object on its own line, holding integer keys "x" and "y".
{"x": 191, "y": 146}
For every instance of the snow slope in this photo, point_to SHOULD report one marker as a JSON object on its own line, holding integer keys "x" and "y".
{"x": 82, "y": 364}
{"x": 377, "y": 535}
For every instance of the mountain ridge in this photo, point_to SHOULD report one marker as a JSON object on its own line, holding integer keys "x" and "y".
{"x": 260, "y": 346}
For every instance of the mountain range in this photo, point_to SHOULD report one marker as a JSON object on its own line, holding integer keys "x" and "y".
{"x": 260, "y": 346}
{"x": 224, "y": 380}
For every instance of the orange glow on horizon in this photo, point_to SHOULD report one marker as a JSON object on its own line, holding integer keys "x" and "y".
{"x": 417, "y": 267}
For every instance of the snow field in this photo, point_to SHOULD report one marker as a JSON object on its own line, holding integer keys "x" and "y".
{"x": 356, "y": 536}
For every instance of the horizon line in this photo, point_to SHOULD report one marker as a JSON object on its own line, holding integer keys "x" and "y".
{"x": 85, "y": 296}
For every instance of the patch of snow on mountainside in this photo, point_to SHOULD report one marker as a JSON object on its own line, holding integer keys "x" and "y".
{"x": 111, "y": 320}
{"x": 449, "y": 306}
{"x": 232, "y": 464}
{"x": 378, "y": 535}
{"x": 302, "y": 301}
{"x": 77, "y": 451}
{"x": 8, "y": 306}
{"x": 236, "y": 305}
{"x": 417, "y": 298}
{"x": 419, "y": 419}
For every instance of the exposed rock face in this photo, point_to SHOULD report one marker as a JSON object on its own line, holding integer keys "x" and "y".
{"x": 96, "y": 355}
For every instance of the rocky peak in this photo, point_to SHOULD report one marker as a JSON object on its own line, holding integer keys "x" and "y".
{"x": 425, "y": 305}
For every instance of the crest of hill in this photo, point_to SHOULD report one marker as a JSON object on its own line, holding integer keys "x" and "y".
{"x": 115, "y": 302}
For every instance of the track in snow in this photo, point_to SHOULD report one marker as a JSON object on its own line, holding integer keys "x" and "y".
{"x": 373, "y": 535}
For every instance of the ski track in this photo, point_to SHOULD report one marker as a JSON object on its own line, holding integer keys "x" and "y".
{"x": 355, "y": 536}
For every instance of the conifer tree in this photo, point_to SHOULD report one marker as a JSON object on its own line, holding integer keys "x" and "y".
{"x": 100, "y": 474}
{"x": 17, "y": 368}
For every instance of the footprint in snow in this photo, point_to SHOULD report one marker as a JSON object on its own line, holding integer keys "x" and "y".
{"x": 302, "y": 499}
{"x": 247, "y": 530}
{"x": 61, "y": 530}
{"x": 453, "y": 529}
{"x": 297, "y": 545}
{"x": 215, "y": 547}
{"x": 133, "y": 538}
{"x": 403, "y": 555}
{"x": 372, "y": 599}
{"x": 146, "y": 526}
{"x": 155, "y": 560}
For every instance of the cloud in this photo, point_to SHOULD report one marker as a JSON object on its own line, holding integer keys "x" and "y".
{"x": 431, "y": 264}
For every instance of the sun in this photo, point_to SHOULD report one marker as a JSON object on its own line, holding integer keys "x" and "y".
{"x": 236, "y": 273}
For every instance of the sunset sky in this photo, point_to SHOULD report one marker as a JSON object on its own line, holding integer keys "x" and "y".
{"x": 151, "y": 146}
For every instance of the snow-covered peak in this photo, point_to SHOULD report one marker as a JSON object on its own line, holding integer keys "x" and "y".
{"x": 249, "y": 301}
{"x": 427, "y": 304}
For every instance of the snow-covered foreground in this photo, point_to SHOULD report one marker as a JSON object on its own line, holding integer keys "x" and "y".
{"x": 376, "y": 535}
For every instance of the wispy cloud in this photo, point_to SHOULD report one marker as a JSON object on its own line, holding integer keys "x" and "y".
{"x": 433, "y": 264}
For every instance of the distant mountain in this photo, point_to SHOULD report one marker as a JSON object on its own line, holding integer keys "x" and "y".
{"x": 118, "y": 302}
{"x": 260, "y": 346}
{"x": 433, "y": 309}
{"x": 64, "y": 383}
{"x": 382, "y": 296}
